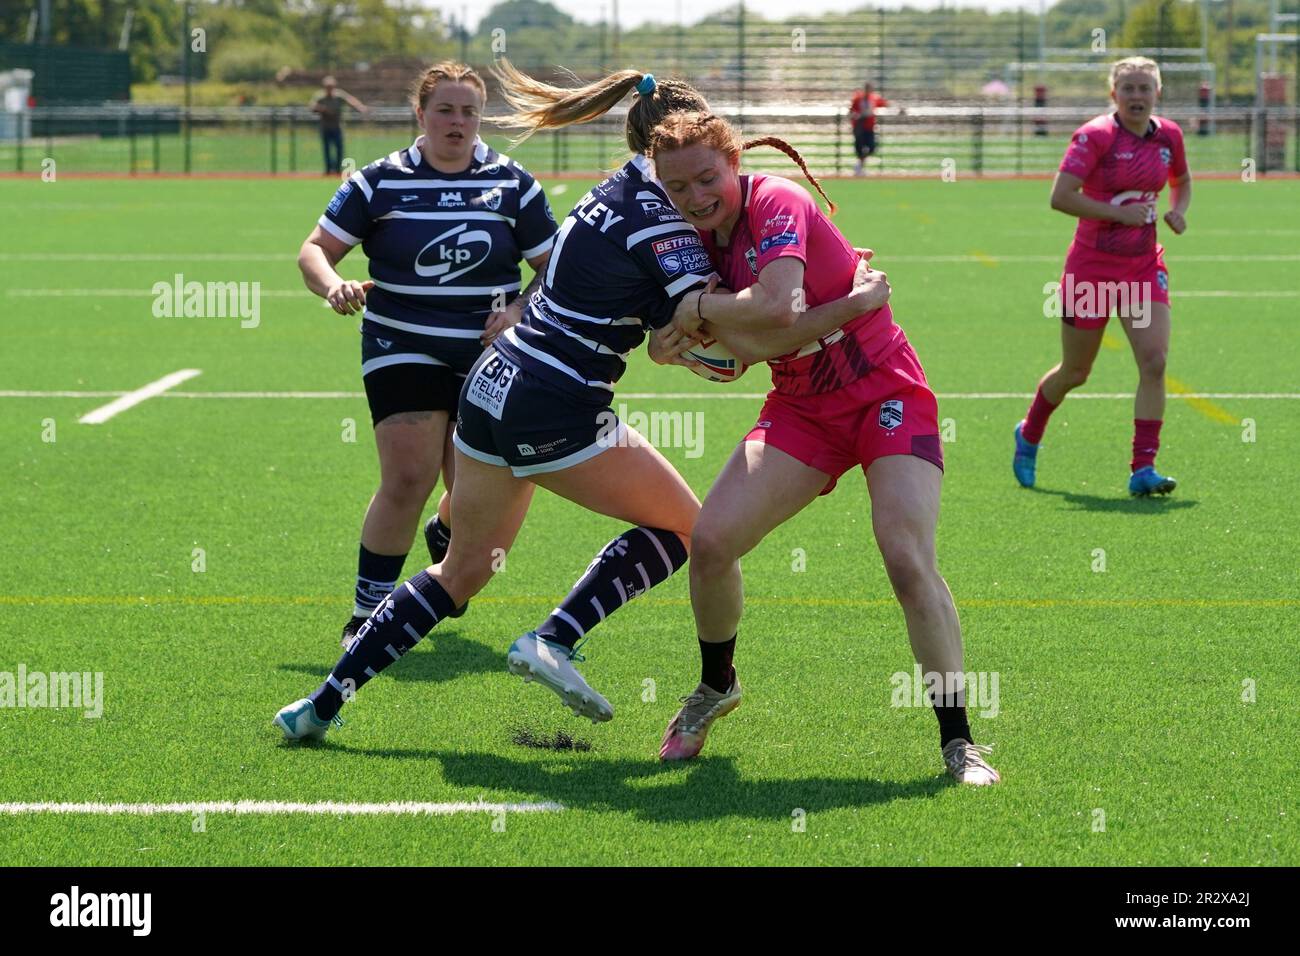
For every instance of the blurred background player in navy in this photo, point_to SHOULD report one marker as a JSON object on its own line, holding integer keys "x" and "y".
{"x": 328, "y": 105}
{"x": 445, "y": 223}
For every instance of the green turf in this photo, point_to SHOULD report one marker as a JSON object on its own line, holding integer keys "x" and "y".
{"x": 251, "y": 148}
{"x": 1121, "y": 691}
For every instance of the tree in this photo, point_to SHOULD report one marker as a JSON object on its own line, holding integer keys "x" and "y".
{"x": 1163, "y": 24}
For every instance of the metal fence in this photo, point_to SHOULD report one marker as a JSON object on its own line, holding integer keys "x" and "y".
{"x": 921, "y": 140}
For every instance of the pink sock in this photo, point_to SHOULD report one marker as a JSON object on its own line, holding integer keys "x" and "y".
{"x": 1036, "y": 419}
{"x": 1146, "y": 441}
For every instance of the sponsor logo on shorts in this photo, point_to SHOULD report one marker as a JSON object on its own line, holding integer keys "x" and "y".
{"x": 526, "y": 450}
{"x": 891, "y": 414}
{"x": 680, "y": 254}
{"x": 787, "y": 238}
{"x": 490, "y": 386}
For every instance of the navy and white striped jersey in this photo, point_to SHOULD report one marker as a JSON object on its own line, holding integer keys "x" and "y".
{"x": 622, "y": 261}
{"x": 441, "y": 246}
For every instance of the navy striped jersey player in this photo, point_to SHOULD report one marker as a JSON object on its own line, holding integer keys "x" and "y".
{"x": 444, "y": 250}
{"x": 623, "y": 259}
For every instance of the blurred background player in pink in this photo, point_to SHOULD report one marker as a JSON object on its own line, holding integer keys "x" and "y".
{"x": 862, "y": 114}
{"x": 854, "y": 397}
{"x": 1120, "y": 160}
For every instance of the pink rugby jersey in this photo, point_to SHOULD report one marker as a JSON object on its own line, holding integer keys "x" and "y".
{"x": 780, "y": 219}
{"x": 1119, "y": 167}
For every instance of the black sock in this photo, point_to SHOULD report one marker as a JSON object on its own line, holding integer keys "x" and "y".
{"x": 438, "y": 537}
{"x": 377, "y": 575}
{"x": 631, "y": 564}
{"x": 397, "y": 625}
{"x": 951, "y": 711}
{"x": 715, "y": 664}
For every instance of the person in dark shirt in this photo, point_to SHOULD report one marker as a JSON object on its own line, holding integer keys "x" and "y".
{"x": 329, "y": 107}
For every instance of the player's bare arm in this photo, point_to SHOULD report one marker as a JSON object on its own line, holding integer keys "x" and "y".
{"x": 870, "y": 292}
{"x": 498, "y": 322}
{"x": 319, "y": 254}
{"x": 1068, "y": 198}
{"x": 1180, "y": 198}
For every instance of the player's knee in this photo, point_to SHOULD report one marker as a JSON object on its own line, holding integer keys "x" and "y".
{"x": 1072, "y": 376}
{"x": 712, "y": 547}
{"x": 1151, "y": 363}
{"x": 911, "y": 570}
{"x": 408, "y": 482}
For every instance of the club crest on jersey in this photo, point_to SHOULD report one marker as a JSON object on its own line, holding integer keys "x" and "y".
{"x": 679, "y": 254}
{"x": 891, "y": 414}
{"x": 1166, "y": 156}
{"x": 1162, "y": 280}
{"x": 450, "y": 199}
{"x": 491, "y": 199}
{"x": 752, "y": 258}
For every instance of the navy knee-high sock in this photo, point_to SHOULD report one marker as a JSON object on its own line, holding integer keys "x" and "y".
{"x": 397, "y": 625}
{"x": 630, "y": 565}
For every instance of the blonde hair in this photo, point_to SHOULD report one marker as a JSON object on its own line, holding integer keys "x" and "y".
{"x": 539, "y": 106}
{"x": 1135, "y": 64}
{"x": 448, "y": 70}
{"x": 682, "y": 130}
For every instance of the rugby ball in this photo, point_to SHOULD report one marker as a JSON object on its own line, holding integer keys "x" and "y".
{"x": 717, "y": 364}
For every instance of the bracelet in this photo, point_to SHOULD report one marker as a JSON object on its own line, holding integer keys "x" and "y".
{"x": 698, "y": 303}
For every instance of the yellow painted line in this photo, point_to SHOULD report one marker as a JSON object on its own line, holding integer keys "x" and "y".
{"x": 1206, "y": 407}
{"x": 984, "y": 259}
{"x": 1109, "y": 341}
{"x": 264, "y": 600}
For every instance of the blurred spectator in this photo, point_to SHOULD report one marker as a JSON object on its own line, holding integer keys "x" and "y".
{"x": 329, "y": 105}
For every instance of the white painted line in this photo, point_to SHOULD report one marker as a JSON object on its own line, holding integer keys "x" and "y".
{"x": 275, "y": 808}
{"x": 991, "y": 258}
{"x": 131, "y": 399}
{"x": 132, "y": 293}
{"x": 652, "y": 396}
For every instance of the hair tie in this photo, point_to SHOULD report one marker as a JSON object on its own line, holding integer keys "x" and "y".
{"x": 647, "y": 85}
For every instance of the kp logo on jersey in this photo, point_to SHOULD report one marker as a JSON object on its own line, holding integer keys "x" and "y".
{"x": 891, "y": 414}
{"x": 453, "y": 253}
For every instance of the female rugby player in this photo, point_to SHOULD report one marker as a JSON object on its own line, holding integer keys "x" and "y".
{"x": 536, "y": 411}
{"x": 855, "y": 397}
{"x": 445, "y": 224}
{"x": 1120, "y": 161}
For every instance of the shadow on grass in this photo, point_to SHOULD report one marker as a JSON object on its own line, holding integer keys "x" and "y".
{"x": 442, "y": 656}
{"x": 1152, "y": 505}
{"x": 705, "y": 789}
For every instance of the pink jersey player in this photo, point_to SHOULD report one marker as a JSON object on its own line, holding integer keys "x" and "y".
{"x": 1112, "y": 173}
{"x": 852, "y": 395}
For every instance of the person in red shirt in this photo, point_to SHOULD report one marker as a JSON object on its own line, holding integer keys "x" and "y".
{"x": 854, "y": 397}
{"x": 1112, "y": 172}
{"x": 862, "y": 114}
